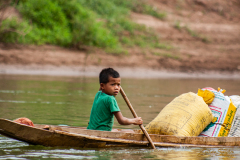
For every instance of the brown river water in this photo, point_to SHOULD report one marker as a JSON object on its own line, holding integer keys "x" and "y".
{"x": 66, "y": 100}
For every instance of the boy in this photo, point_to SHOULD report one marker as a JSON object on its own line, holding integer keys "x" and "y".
{"x": 105, "y": 104}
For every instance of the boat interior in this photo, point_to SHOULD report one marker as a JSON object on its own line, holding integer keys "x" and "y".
{"x": 117, "y": 133}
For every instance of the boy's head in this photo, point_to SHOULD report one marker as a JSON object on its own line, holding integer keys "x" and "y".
{"x": 106, "y": 73}
{"x": 109, "y": 81}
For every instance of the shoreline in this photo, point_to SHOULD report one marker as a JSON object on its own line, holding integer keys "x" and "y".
{"x": 126, "y": 72}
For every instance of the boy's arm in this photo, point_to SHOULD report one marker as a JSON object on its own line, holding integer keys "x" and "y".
{"x": 126, "y": 121}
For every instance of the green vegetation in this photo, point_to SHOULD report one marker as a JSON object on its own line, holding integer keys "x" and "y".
{"x": 167, "y": 55}
{"x": 11, "y": 30}
{"x": 196, "y": 35}
{"x": 178, "y": 26}
{"x": 100, "y": 23}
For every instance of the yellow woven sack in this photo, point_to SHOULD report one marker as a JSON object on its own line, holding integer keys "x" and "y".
{"x": 186, "y": 115}
{"x": 207, "y": 95}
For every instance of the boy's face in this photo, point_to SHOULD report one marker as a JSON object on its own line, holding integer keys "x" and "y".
{"x": 112, "y": 87}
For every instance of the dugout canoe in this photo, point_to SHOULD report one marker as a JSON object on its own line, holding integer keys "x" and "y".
{"x": 67, "y": 136}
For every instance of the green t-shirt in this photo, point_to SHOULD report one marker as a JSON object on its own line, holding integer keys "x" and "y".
{"x": 102, "y": 116}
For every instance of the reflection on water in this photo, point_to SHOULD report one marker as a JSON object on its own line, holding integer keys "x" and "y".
{"x": 68, "y": 101}
{"x": 193, "y": 153}
{"x": 12, "y": 149}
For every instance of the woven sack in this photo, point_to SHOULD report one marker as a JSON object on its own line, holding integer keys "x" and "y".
{"x": 186, "y": 115}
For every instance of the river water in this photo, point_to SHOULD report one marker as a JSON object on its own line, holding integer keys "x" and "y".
{"x": 67, "y": 101}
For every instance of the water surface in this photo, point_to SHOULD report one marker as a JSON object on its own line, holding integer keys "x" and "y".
{"x": 68, "y": 101}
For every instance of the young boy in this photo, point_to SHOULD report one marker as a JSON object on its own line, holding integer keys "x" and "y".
{"x": 105, "y": 106}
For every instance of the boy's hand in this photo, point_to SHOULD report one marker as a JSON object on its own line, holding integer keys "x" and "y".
{"x": 138, "y": 121}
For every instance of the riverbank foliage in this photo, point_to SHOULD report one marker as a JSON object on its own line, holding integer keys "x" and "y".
{"x": 100, "y": 23}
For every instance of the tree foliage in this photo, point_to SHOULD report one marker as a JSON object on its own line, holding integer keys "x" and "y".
{"x": 100, "y": 23}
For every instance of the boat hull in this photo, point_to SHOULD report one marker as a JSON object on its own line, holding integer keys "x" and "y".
{"x": 83, "y": 138}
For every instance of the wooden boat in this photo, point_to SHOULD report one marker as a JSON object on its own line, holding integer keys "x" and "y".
{"x": 81, "y": 137}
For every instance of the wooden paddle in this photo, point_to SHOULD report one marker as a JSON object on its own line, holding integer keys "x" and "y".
{"x": 135, "y": 116}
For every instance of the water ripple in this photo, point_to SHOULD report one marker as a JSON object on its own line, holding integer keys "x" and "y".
{"x": 34, "y": 102}
{"x": 54, "y": 92}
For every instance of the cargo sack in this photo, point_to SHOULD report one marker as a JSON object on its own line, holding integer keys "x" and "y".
{"x": 207, "y": 95}
{"x": 186, "y": 115}
{"x": 223, "y": 111}
{"x": 235, "y": 129}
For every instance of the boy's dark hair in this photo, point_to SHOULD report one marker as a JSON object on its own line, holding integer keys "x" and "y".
{"x": 105, "y": 73}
